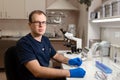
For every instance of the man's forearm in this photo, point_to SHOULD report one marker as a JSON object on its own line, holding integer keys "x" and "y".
{"x": 52, "y": 73}
{"x": 61, "y": 58}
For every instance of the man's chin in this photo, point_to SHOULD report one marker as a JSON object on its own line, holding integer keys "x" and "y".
{"x": 38, "y": 34}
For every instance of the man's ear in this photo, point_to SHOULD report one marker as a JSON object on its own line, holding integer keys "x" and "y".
{"x": 29, "y": 23}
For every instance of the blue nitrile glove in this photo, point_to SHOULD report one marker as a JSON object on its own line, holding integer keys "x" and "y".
{"x": 77, "y": 73}
{"x": 75, "y": 62}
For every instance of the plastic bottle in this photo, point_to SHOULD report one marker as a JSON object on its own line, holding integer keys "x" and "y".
{"x": 115, "y": 57}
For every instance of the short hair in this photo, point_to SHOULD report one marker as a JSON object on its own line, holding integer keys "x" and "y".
{"x": 35, "y": 12}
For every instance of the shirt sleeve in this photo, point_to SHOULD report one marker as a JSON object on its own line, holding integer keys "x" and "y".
{"x": 52, "y": 50}
{"x": 25, "y": 52}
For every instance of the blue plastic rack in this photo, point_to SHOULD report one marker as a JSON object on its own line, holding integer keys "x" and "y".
{"x": 103, "y": 67}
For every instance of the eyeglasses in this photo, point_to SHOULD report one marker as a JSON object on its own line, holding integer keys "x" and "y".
{"x": 37, "y": 23}
{"x": 99, "y": 75}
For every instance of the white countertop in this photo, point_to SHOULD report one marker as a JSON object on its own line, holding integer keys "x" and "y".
{"x": 15, "y": 39}
{"x": 89, "y": 66}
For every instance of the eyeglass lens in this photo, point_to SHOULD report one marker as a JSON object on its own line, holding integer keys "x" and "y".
{"x": 39, "y": 23}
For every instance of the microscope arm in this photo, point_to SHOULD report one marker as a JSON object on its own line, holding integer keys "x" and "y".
{"x": 78, "y": 40}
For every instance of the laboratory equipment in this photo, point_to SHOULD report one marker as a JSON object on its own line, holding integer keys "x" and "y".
{"x": 99, "y": 75}
{"x": 115, "y": 57}
{"x": 78, "y": 40}
{"x": 57, "y": 20}
{"x": 103, "y": 67}
{"x": 94, "y": 49}
{"x": 102, "y": 47}
{"x": 72, "y": 29}
{"x": 103, "y": 50}
{"x": 105, "y": 45}
{"x": 69, "y": 37}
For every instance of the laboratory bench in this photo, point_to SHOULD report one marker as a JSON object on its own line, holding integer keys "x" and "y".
{"x": 4, "y": 45}
{"x": 59, "y": 45}
{"x": 6, "y": 42}
{"x": 89, "y": 65}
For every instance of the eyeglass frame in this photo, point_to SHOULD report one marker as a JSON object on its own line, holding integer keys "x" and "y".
{"x": 37, "y": 23}
{"x": 99, "y": 75}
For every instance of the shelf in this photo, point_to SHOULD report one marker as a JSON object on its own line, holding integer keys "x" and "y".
{"x": 109, "y": 22}
{"x": 52, "y": 23}
{"x": 63, "y": 16}
{"x": 109, "y": 9}
{"x": 108, "y": 19}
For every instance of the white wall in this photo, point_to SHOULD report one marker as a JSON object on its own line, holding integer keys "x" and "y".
{"x": 93, "y": 29}
{"x": 109, "y": 31}
{"x": 111, "y": 34}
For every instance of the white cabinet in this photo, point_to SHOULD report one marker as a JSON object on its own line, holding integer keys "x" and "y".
{"x": 108, "y": 12}
{"x": 14, "y": 9}
{"x": 100, "y": 28}
{"x": 1, "y": 9}
{"x": 31, "y": 5}
{"x": 11, "y": 9}
{"x": 19, "y": 9}
{"x": 109, "y": 9}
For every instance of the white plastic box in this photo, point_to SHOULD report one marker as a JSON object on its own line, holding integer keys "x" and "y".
{"x": 107, "y": 9}
{"x": 115, "y": 7}
{"x": 101, "y": 12}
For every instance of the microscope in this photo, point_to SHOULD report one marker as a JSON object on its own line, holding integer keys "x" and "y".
{"x": 70, "y": 41}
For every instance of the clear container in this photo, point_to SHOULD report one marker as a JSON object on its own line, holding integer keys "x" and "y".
{"x": 107, "y": 10}
{"x": 115, "y": 8}
{"x": 72, "y": 29}
{"x": 101, "y": 12}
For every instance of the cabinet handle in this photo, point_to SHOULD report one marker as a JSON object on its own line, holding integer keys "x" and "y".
{"x": 27, "y": 14}
{"x": 6, "y": 14}
{"x": 1, "y": 14}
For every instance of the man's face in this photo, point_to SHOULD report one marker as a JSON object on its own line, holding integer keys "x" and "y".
{"x": 38, "y": 24}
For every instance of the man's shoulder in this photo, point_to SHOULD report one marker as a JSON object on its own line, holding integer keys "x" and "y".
{"x": 45, "y": 38}
{"x": 24, "y": 38}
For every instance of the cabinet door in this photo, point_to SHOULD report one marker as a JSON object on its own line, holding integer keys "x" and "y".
{"x": 1, "y": 9}
{"x": 31, "y": 5}
{"x": 14, "y": 9}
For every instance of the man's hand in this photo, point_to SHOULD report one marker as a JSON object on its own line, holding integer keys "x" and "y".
{"x": 77, "y": 73}
{"x": 75, "y": 62}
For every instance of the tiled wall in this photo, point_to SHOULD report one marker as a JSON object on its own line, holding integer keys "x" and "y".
{"x": 111, "y": 34}
{"x": 19, "y": 27}
{"x": 14, "y": 27}
{"x": 68, "y": 17}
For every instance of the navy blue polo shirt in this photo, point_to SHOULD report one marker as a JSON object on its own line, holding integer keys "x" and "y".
{"x": 30, "y": 49}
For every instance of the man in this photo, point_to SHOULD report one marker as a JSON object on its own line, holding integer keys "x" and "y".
{"x": 34, "y": 52}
